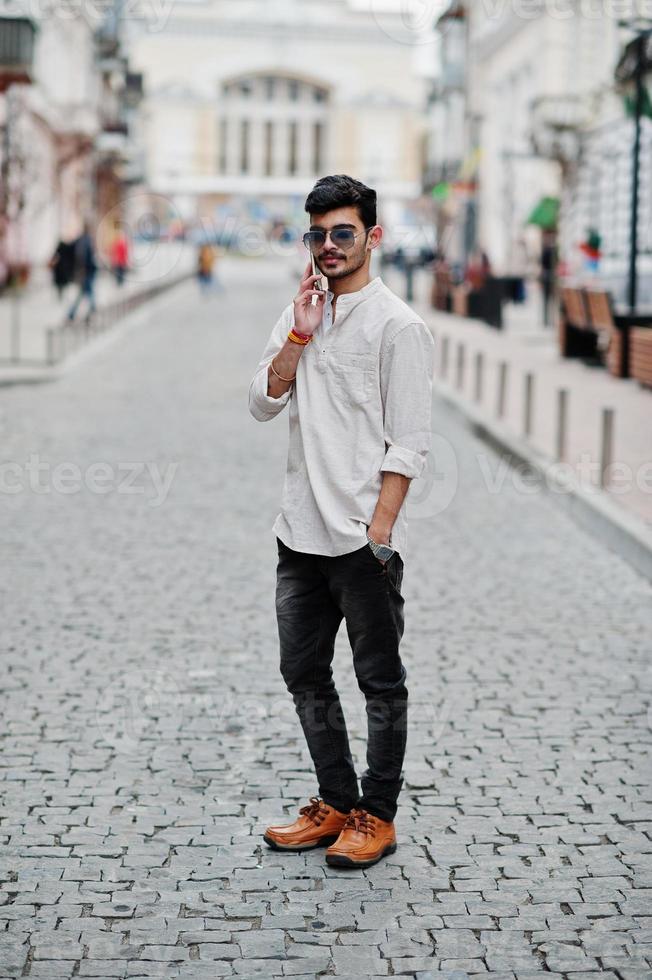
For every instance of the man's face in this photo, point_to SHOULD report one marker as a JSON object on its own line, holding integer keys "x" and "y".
{"x": 335, "y": 260}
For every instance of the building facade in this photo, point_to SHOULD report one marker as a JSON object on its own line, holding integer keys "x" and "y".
{"x": 48, "y": 109}
{"x": 248, "y": 99}
{"x": 450, "y": 171}
{"x": 539, "y": 118}
{"x": 532, "y": 79}
{"x": 597, "y": 194}
{"x": 65, "y": 90}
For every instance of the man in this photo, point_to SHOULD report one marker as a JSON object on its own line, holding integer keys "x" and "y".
{"x": 62, "y": 265}
{"x": 548, "y": 272}
{"x": 356, "y": 372}
{"x": 85, "y": 272}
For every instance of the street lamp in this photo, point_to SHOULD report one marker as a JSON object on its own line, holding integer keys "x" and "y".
{"x": 635, "y": 62}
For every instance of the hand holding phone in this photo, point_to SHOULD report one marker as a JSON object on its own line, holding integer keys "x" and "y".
{"x": 317, "y": 284}
{"x": 309, "y": 302}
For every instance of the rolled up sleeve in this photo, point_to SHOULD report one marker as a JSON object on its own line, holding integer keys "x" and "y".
{"x": 406, "y": 371}
{"x": 262, "y": 406}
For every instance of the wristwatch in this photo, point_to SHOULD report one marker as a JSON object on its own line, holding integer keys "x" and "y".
{"x": 381, "y": 551}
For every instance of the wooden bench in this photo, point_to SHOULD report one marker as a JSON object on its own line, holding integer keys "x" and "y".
{"x": 611, "y": 339}
{"x": 589, "y": 327}
{"x": 575, "y": 337}
{"x": 640, "y": 354}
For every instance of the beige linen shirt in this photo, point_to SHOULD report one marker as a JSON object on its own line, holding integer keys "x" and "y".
{"x": 360, "y": 405}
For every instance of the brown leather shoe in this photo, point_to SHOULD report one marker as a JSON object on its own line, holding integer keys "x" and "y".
{"x": 318, "y": 824}
{"x": 364, "y": 840}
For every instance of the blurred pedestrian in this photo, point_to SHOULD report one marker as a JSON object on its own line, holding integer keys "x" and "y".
{"x": 62, "y": 265}
{"x": 548, "y": 271}
{"x": 206, "y": 260}
{"x": 85, "y": 272}
{"x": 119, "y": 256}
{"x": 478, "y": 269}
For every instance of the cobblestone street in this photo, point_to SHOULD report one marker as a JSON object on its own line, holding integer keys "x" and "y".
{"x": 148, "y": 738}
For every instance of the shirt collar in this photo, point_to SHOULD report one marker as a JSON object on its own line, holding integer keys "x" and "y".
{"x": 349, "y": 300}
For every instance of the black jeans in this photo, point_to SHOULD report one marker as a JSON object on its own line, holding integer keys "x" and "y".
{"x": 313, "y": 594}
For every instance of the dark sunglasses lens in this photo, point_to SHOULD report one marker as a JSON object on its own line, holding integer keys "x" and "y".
{"x": 343, "y": 237}
{"x": 314, "y": 239}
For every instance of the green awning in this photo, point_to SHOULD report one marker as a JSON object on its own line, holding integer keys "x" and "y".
{"x": 441, "y": 191}
{"x": 630, "y": 104}
{"x": 545, "y": 214}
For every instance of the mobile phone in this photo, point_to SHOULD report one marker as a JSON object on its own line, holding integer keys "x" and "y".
{"x": 318, "y": 285}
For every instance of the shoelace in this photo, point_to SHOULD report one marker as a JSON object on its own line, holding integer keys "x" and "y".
{"x": 314, "y": 810}
{"x": 361, "y": 821}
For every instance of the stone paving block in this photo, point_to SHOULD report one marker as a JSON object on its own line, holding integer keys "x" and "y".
{"x": 206, "y": 971}
{"x": 318, "y": 964}
{"x": 356, "y": 959}
{"x": 205, "y": 936}
{"x": 49, "y": 970}
{"x": 13, "y": 955}
{"x": 457, "y": 944}
{"x": 602, "y": 975}
{"x": 58, "y": 951}
{"x": 633, "y": 974}
{"x": 522, "y": 962}
{"x": 259, "y": 944}
{"x": 107, "y": 947}
{"x": 258, "y": 968}
{"x": 163, "y": 954}
{"x": 102, "y": 968}
{"x": 320, "y": 938}
{"x": 219, "y": 951}
{"x": 463, "y": 966}
{"x": 536, "y": 975}
{"x": 153, "y": 937}
{"x": 288, "y": 920}
{"x": 153, "y": 968}
{"x": 414, "y": 964}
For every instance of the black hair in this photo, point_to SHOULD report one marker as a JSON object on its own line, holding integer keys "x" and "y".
{"x": 341, "y": 191}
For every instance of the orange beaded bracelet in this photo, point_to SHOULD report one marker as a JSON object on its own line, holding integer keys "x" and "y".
{"x": 299, "y": 338}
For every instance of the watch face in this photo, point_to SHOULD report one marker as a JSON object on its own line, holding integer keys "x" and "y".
{"x": 384, "y": 552}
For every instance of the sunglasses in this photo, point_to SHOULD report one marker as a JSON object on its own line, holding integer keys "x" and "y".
{"x": 340, "y": 237}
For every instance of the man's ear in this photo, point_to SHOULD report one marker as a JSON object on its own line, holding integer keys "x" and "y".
{"x": 375, "y": 237}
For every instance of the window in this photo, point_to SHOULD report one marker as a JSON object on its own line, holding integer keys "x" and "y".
{"x": 269, "y": 148}
{"x": 317, "y": 147}
{"x": 271, "y": 124}
{"x": 222, "y": 146}
{"x": 292, "y": 162}
{"x": 244, "y": 146}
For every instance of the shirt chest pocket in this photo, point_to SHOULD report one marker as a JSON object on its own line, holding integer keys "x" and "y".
{"x": 352, "y": 376}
